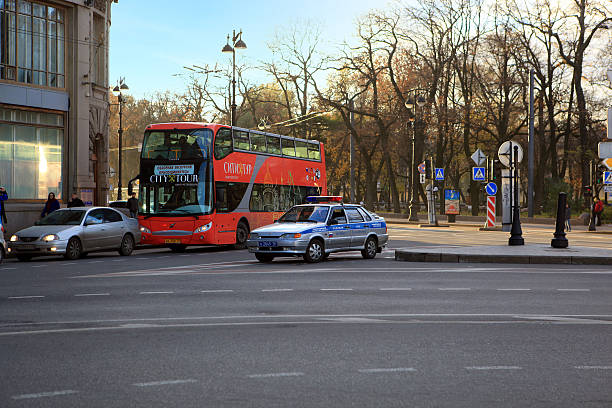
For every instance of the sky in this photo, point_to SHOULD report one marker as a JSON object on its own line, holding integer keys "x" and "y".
{"x": 151, "y": 40}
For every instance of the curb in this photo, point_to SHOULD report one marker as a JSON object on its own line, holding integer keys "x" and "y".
{"x": 510, "y": 259}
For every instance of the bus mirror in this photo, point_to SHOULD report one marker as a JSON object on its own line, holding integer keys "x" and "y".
{"x": 130, "y": 189}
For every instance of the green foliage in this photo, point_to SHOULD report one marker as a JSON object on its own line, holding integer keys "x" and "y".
{"x": 552, "y": 188}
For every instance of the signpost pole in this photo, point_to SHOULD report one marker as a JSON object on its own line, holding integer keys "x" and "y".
{"x": 530, "y": 147}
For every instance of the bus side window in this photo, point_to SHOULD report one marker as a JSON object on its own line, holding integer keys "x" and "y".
{"x": 258, "y": 142}
{"x": 288, "y": 147}
{"x": 314, "y": 151}
{"x": 301, "y": 149}
{"x": 223, "y": 143}
{"x": 273, "y": 144}
{"x": 241, "y": 140}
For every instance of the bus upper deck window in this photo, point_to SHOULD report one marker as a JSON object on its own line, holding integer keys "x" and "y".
{"x": 314, "y": 151}
{"x": 223, "y": 143}
{"x": 273, "y": 143}
{"x": 258, "y": 142}
{"x": 301, "y": 149}
{"x": 241, "y": 140}
{"x": 288, "y": 146}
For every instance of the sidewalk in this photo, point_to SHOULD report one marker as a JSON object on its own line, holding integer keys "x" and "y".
{"x": 525, "y": 254}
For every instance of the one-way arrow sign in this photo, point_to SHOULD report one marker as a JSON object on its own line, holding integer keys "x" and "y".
{"x": 479, "y": 157}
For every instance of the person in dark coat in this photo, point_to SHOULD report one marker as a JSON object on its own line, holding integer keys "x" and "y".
{"x": 132, "y": 205}
{"x": 3, "y": 198}
{"x": 51, "y": 205}
{"x": 75, "y": 201}
{"x": 568, "y": 215}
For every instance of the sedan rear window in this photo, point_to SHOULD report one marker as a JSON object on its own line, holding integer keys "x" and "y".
{"x": 63, "y": 217}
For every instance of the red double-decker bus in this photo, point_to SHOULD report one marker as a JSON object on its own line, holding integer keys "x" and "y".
{"x": 210, "y": 184}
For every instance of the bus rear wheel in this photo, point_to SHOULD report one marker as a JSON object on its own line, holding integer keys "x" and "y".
{"x": 242, "y": 234}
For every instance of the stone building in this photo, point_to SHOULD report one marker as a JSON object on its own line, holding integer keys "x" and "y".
{"x": 54, "y": 106}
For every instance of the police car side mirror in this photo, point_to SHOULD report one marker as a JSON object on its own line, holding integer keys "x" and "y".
{"x": 332, "y": 222}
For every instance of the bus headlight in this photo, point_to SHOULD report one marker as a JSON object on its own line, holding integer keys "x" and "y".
{"x": 203, "y": 228}
{"x": 50, "y": 237}
{"x": 291, "y": 236}
{"x": 145, "y": 230}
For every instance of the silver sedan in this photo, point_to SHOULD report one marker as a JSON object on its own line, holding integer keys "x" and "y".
{"x": 75, "y": 231}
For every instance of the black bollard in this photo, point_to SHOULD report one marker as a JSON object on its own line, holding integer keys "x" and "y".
{"x": 559, "y": 241}
{"x": 516, "y": 234}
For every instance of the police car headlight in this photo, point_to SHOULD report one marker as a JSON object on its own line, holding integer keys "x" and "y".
{"x": 203, "y": 228}
{"x": 14, "y": 238}
{"x": 145, "y": 230}
{"x": 253, "y": 235}
{"x": 290, "y": 236}
{"x": 50, "y": 237}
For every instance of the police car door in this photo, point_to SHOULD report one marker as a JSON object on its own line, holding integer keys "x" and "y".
{"x": 339, "y": 232}
{"x": 359, "y": 230}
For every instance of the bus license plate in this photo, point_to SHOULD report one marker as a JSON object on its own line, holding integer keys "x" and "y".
{"x": 172, "y": 241}
{"x": 268, "y": 243}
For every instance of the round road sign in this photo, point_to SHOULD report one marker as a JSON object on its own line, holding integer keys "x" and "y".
{"x": 504, "y": 152}
{"x": 491, "y": 189}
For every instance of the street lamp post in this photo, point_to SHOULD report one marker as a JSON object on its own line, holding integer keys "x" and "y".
{"x": 237, "y": 43}
{"x": 118, "y": 92}
{"x": 415, "y": 99}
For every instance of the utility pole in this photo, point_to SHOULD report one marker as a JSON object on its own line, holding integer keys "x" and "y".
{"x": 530, "y": 148}
{"x": 352, "y": 150}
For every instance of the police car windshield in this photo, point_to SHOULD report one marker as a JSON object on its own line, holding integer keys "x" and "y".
{"x": 305, "y": 213}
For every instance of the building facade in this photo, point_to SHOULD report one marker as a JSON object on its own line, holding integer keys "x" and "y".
{"x": 54, "y": 107}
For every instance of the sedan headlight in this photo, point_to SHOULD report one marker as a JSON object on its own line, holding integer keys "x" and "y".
{"x": 14, "y": 238}
{"x": 50, "y": 237}
{"x": 290, "y": 236}
{"x": 203, "y": 228}
{"x": 145, "y": 230}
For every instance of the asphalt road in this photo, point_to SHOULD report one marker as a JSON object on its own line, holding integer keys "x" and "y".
{"x": 212, "y": 327}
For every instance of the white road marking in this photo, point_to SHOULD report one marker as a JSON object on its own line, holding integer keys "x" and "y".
{"x": 165, "y": 382}
{"x": 38, "y": 266}
{"x": 156, "y": 293}
{"x": 69, "y": 263}
{"x": 92, "y": 294}
{"x": 483, "y": 368}
{"x": 387, "y": 370}
{"x": 44, "y": 394}
{"x": 269, "y": 375}
{"x": 117, "y": 260}
{"x": 26, "y": 297}
{"x": 95, "y": 262}
{"x": 513, "y": 289}
{"x": 216, "y": 291}
{"x": 185, "y": 255}
{"x": 277, "y": 290}
{"x": 142, "y": 259}
{"x": 593, "y": 367}
{"x": 574, "y": 290}
{"x": 455, "y": 289}
{"x": 395, "y": 289}
{"x": 7, "y": 268}
{"x": 334, "y": 289}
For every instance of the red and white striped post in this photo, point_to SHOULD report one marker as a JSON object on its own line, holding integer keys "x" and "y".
{"x": 490, "y": 211}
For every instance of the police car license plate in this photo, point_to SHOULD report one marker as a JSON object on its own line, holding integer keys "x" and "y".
{"x": 172, "y": 241}
{"x": 268, "y": 243}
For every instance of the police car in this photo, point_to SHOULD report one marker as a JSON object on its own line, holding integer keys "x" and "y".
{"x": 317, "y": 229}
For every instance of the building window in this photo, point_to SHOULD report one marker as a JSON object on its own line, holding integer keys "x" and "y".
{"x": 31, "y": 153}
{"x": 32, "y": 41}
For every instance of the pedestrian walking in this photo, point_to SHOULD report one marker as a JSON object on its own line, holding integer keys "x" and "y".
{"x": 568, "y": 215}
{"x": 597, "y": 210}
{"x": 75, "y": 201}
{"x": 3, "y": 198}
{"x": 132, "y": 205}
{"x": 51, "y": 205}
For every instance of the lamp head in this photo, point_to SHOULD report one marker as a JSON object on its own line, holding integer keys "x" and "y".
{"x": 409, "y": 103}
{"x": 240, "y": 44}
{"x": 116, "y": 90}
{"x": 227, "y": 48}
{"x": 420, "y": 101}
{"x": 124, "y": 88}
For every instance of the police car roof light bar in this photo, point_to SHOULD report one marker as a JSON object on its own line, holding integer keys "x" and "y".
{"x": 323, "y": 199}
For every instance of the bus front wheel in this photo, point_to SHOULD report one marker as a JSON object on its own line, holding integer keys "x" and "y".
{"x": 242, "y": 234}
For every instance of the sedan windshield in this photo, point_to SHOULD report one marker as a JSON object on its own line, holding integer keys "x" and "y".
{"x": 63, "y": 217}
{"x": 305, "y": 213}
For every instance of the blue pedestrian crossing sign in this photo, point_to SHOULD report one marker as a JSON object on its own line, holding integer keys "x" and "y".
{"x": 491, "y": 189}
{"x": 478, "y": 173}
{"x": 439, "y": 174}
{"x": 607, "y": 177}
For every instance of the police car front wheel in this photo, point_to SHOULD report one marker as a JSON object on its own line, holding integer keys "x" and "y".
{"x": 315, "y": 251}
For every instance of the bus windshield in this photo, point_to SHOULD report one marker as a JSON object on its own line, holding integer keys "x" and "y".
{"x": 177, "y": 144}
{"x": 175, "y": 200}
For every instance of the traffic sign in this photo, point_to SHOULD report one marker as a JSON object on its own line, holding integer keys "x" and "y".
{"x": 491, "y": 189}
{"x": 608, "y": 189}
{"x": 422, "y": 178}
{"x": 451, "y": 202}
{"x": 479, "y": 157}
{"x": 451, "y": 194}
{"x": 607, "y": 177}
{"x": 490, "y": 211}
{"x": 478, "y": 173}
{"x": 421, "y": 168}
{"x": 506, "y": 149}
{"x": 439, "y": 174}
{"x": 604, "y": 150}
{"x": 607, "y": 162}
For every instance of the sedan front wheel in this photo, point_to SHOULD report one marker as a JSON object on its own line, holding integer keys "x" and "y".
{"x": 74, "y": 249}
{"x": 314, "y": 252}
